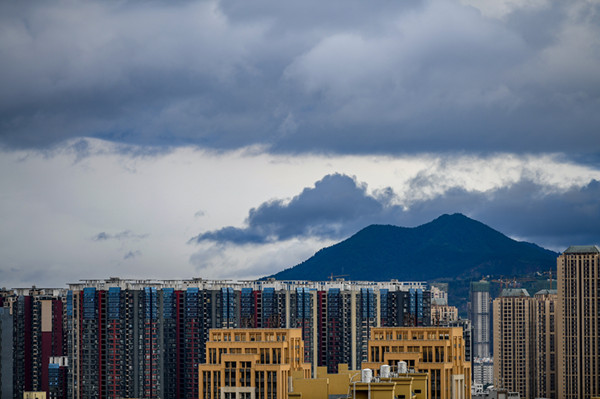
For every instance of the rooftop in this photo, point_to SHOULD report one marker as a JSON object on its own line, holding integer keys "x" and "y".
{"x": 546, "y": 292}
{"x": 514, "y": 292}
{"x": 583, "y": 249}
{"x": 480, "y": 286}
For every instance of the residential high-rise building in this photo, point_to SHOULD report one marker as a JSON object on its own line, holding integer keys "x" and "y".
{"x": 57, "y": 377}
{"x": 438, "y": 351}
{"x": 130, "y": 339}
{"x": 513, "y": 342}
{"x": 578, "y": 315}
{"x": 525, "y": 343}
{"x": 479, "y": 314}
{"x": 251, "y": 363}
{"x": 39, "y": 333}
{"x": 544, "y": 318}
{"x": 6, "y": 353}
{"x": 483, "y": 370}
{"x": 442, "y": 314}
{"x": 146, "y": 338}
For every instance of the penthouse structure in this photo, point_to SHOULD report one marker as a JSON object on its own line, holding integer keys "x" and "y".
{"x": 578, "y": 315}
{"x": 146, "y": 338}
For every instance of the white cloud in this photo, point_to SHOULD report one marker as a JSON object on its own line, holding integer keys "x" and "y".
{"x": 52, "y": 204}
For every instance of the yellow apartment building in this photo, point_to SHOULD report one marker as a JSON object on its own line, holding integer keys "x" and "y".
{"x": 438, "y": 351}
{"x": 251, "y": 363}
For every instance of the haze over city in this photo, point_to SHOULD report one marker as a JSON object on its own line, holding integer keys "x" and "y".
{"x": 227, "y": 139}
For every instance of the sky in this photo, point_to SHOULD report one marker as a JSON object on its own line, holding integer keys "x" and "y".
{"x": 232, "y": 139}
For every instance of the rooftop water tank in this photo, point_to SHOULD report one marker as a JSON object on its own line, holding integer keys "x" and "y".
{"x": 367, "y": 375}
{"x": 384, "y": 371}
{"x": 402, "y": 367}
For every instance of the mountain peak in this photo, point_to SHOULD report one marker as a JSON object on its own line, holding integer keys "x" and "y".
{"x": 451, "y": 246}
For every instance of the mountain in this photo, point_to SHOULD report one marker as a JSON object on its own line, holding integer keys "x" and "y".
{"x": 449, "y": 247}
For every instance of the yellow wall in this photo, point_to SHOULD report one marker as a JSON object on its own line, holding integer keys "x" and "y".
{"x": 381, "y": 390}
{"x": 434, "y": 350}
{"x": 251, "y": 360}
{"x": 344, "y": 382}
{"x": 34, "y": 395}
{"x": 316, "y": 388}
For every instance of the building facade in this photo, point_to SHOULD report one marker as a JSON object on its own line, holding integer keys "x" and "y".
{"x": 438, "y": 351}
{"x": 525, "y": 343}
{"x": 545, "y": 323}
{"x": 6, "y": 353}
{"x": 479, "y": 314}
{"x": 483, "y": 370}
{"x": 146, "y": 338}
{"x": 441, "y": 315}
{"x": 251, "y": 363}
{"x": 578, "y": 315}
{"x": 39, "y": 333}
{"x": 467, "y": 329}
{"x": 514, "y": 342}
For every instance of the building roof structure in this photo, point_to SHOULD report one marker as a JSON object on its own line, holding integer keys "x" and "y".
{"x": 583, "y": 249}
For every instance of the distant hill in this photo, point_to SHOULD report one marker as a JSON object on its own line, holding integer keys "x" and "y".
{"x": 449, "y": 247}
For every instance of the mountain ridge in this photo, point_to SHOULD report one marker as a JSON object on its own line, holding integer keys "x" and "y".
{"x": 450, "y": 246}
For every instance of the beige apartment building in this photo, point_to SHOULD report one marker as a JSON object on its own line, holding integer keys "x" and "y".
{"x": 545, "y": 345}
{"x": 578, "y": 315}
{"x": 443, "y": 314}
{"x": 251, "y": 363}
{"x": 525, "y": 343}
{"x": 513, "y": 342}
{"x": 438, "y": 351}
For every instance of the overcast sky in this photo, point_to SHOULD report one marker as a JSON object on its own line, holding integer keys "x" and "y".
{"x": 233, "y": 139}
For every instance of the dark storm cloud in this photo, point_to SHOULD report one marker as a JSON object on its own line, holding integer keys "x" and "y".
{"x": 553, "y": 219}
{"x": 344, "y": 77}
{"x": 338, "y": 206}
{"x": 525, "y": 210}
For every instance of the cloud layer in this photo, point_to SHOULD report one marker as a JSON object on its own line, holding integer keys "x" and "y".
{"x": 88, "y": 210}
{"x": 338, "y": 206}
{"x": 345, "y": 77}
{"x": 334, "y": 205}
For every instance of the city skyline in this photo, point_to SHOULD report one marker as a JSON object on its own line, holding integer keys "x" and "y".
{"x": 220, "y": 140}
{"x": 146, "y": 338}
